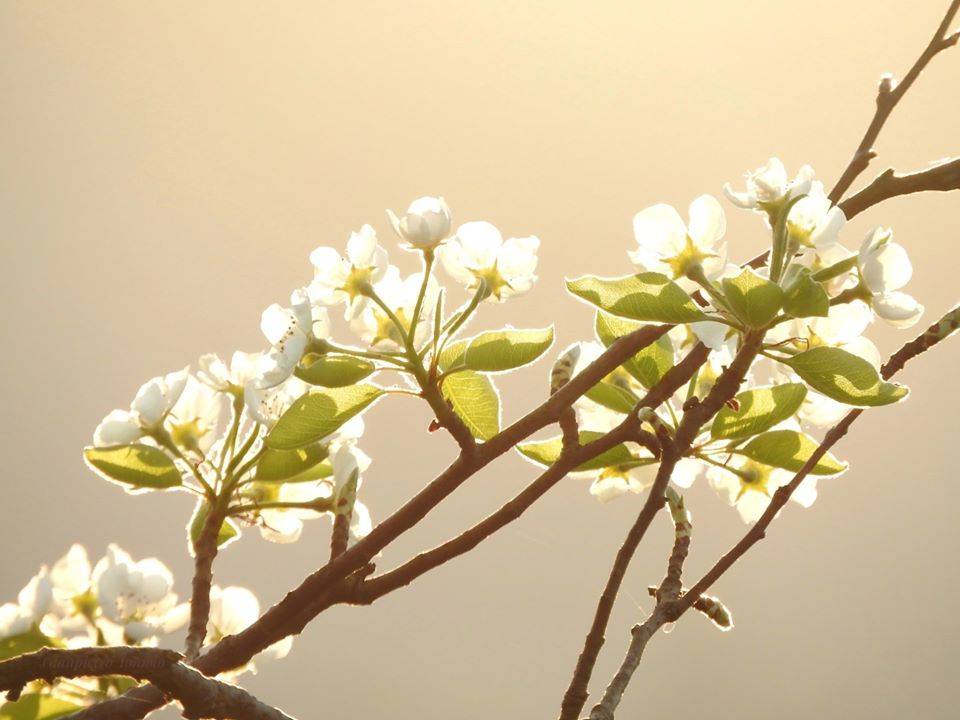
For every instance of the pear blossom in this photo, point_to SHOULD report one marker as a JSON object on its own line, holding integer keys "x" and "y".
{"x": 814, "y": 221}
{"x": 232, "y": 610}
{"x": 769, "y": 185}
{"x": 266, "y": 404}
{"x": 70, "y": 575}
{"x": 14, "y": 620}
{"x": 884, "y": 269}
{"x": 479, "y": 254}
{"x": 215, "y": 373}
{"x": 826, "y": 255}
{"x": 376, "y": 328}
{"x": 285, "y": 525}
{"x": 749, "y": 486}
{"x": 844, "y": 329}
{"x": 340, "y": 279}
{"x": 426, "y": 223}
{"x": 193, "y": 421}
{"x": 665, "y": 244}
{"x": 137, "y": 595}
{"x": 149, "y": 408}
{"x": 291, "y": 331}
{"x": 612, "y": 482}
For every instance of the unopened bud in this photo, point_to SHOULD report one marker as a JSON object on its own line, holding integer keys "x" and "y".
{"x": 562, "y": 371}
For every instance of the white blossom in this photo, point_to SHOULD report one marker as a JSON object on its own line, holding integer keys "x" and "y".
{"x": 137, "y": 595}
{"x": 340, "y": 279}
{"x": 195, "y": 417}
{"x": 665, "y": 244}
{"x": 376, "y": 328}
{"x": 267, "y": 404}
{"x": 885, "y": 268}
{"x": 814, "y": 221}
{"x": 285, "y": 525}
{"x": 426, "y": 223}
{"x": 149, "y": 408}
{"x": 749, "y": 486}
{"x": 291, "y": 331}
{"x": 478, "y": 253}
{"x": 70, "y": 574}
{"x": 232, "y": 610}
{"x": 215, "y": 373}
{"x": 769, "y": 185}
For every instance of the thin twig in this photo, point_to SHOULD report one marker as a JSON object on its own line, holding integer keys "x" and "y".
{"x": 693, "y": 419}
{"x": 671, "y": 604}
{"x": 889, "y": 94}
{"x": 666, "y": 594}
{"x": 323, "y": 587}
{"x": 937, "y": 332}
{"x": 200, "y": 696}
{"x": 629, "y": 429}
{"x": 941, "y": 177}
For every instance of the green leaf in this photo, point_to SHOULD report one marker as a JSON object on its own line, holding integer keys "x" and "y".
{"x": 141, "y": 466}
{"x": 648, "y": 296}
{"x": 845, "y": 377}
{"x": 474, "y": 398}
{"x": 804, "y": 296}
{"x": 284, "y": 465}
{"x": 228, "y": 531}
{"x": 319, "y": 413}
{"x": 612, "y": 396}
{"x": 650, "y": 364}
{"x": 547, "y": 452}
{"x": 759, "y": 410}
{"x": 26, "y": 642}
{"x": 333, "y": 371}
{"x": 506, "y": 349}
{"x": 33, "y": 706}
{"x": 789, "y": 449}
{"x": 753, "y": 299}
{"x": 452, "y": 354}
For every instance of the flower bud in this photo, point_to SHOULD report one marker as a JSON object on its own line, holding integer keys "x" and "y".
{"x": 426, "y": 224}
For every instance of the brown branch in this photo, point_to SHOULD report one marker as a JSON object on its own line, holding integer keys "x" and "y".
{"x": 937, "y": 332}
{"x": 674, "y": 379}
{"x": 889, "y": 94}
{"x": 666, "y": 594}
{"x": 323, "y": 587}
{"x": 205, "y": 552}
{"x": 340, "y": 535}
{"x": 941, "y": 177}
{"x": 693, "y": 419}
{"x": 670, "y": 605}
{"x": 200, "y": 696}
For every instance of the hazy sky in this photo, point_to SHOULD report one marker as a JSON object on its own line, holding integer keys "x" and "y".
{"x": 166, "y": 168}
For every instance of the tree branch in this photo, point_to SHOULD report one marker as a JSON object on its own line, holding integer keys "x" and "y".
{"x": 673, "y": 449}
{"x": 205, "y": 552}
{"x": 888, "y": 95}
{"x": 667, "y": 593}
{"x": 323, "y": 588}
{"x": 629, "y": 429}
{"x": 200, "y": 696}
{"x": 937, "y": 332}
{"x": 942, "y": 177}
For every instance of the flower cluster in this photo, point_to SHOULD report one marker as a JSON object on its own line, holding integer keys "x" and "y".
{"x": 116, "y": 601}
{"x": 812, "y": 304}
{"x": 220, "y": 432}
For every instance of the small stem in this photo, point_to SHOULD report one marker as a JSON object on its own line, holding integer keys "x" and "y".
{"x": 428, "y": 257}
{"x": 835, "y": 270}
{"x": 321, "y": 505}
